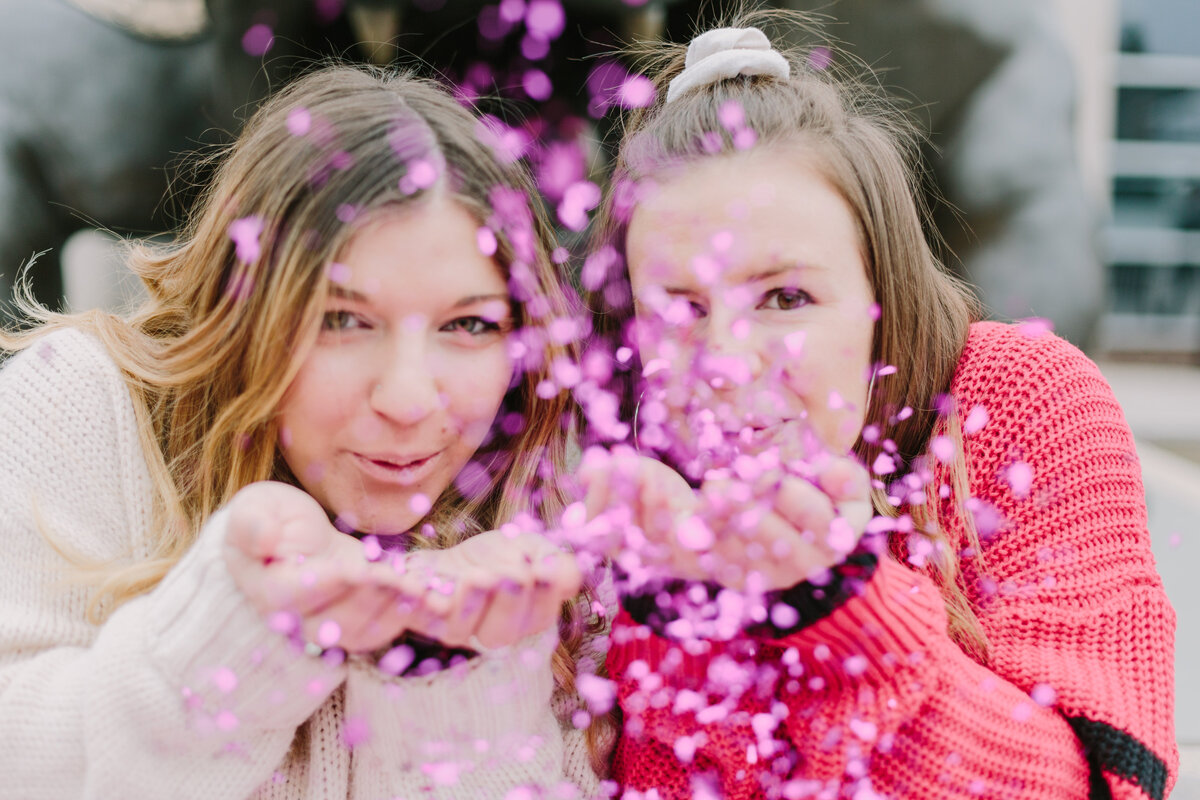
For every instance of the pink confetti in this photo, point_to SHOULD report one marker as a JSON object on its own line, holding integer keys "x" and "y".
{"x": 339, "y": 273}
{"x": 1035, "y": 327}
{"x": 975, "y": 420}
{"x": 534, "y": 48}
{"x": 284, "y": 622}
{"x": 329, "y": 633}
{"x": 485, "y": 240}
{"x": 864, "y": 729}
{"x": 422, "y": 173}
{"x": 943, "y": 448}
{"x": 784, "y": 616}
{"x": 545, "y": 19}
{"x": 745, "y": 139}
{"x": 842, "y": 537}
{"x": 492, "y": 24}
{"x": 537, "y": 84}
{"x": 299, "y": 121}
{"x": 245, "y": 233}
{"x": 225, "y": 680}
{"x": 884, "y": 465}
{"x": 685, "y": 749}
{"x": 396, "y": 660}
{"x": 599, "y": 693}
{"x": 258, "y": 40}
{"x": 636, "y": 92}
{"x": 420, "y": 504}
{"x": 1044, "y": 695}
{"x": 694, "y": 535}
{"x": 512, "y": 11}
{"x": 355, "y": 731}
{"x": 794, "y": 342}
{"x": 732, "y": 115}
{"x": 372, "y": 549}
{"x": 443, "y": 773}
{"x": 1019, "y": 477}
{"x": 819, "y": 59}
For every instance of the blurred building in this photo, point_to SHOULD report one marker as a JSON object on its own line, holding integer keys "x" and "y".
{"x": 1153, "y": 238}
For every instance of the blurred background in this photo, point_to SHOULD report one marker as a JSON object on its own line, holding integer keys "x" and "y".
{"x": 1064, "y": 161}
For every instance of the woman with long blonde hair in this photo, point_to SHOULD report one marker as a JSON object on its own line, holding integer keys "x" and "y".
{"x": 277, "y": 532}
{"x": 870, "y": 546}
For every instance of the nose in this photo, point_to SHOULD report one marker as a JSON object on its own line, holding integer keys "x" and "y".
{"x": 406, "y": 386}
{"x": 730, "y": 355}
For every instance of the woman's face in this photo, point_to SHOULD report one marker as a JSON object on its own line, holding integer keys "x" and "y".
{"x": 754, "y": 312}
{"x": 408, "y": 371}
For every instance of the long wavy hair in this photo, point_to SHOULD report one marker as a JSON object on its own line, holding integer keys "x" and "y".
{"x": 868, "y": 151}
{"x": 211, "y": 352}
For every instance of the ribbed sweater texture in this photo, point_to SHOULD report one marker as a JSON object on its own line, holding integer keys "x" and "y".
{"x": 185, "y": 692}
{"x": 875, "y": 700}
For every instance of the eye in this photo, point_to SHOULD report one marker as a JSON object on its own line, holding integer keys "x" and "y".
{"x": 342, "y": 320}
{"x": 475, "y": 326}
{"x": 785, "y": 299}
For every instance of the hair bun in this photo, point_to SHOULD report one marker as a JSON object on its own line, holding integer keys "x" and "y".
{"x": 726, "y": 53}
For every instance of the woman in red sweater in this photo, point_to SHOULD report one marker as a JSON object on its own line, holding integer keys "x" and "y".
{"x": 997, "y": 629}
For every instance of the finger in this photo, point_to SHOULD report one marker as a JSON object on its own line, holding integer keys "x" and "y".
{"x": 782, "y": 555}
{"x": 302, "y": 588}
{"x": 251, "y": 532}
{"x": 508, "y": 615}
{"x": 355, "y": 621}
{"x": 560, "y": 573}
{"x": 805, "y": 506}
{"x": 844, "y": 479}
{"x": 595, "y": 481}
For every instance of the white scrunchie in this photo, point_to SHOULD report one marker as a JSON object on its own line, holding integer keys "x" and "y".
{"x": 726, "y": 53}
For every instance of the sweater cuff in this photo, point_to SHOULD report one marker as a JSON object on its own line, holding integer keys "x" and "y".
{"x": 661, "y": 605}
{"x": 233, "y": 671}
{"x": 493, "y": 709}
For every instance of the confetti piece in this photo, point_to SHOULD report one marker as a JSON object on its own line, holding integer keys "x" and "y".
{"x": 225, "y": 680}
{"x": 1019, "y": 477}
{"x": 819, "y": 58}
{"x": 975, "y": 420}
{"x": 329, "y": 633}
{"x": 299, "y": 121}
{"x": 258, "y": 39}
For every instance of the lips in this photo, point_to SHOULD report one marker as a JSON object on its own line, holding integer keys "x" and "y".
{"x": 402, "y": 470}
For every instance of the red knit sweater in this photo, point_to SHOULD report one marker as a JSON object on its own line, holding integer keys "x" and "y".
{"x": 875, "y": 699}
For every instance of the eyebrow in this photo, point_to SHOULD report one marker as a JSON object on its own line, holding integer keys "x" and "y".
{"x": 355, "y": 296}
{"x": 755, "y": 277}
{"x": 471, "y": 300}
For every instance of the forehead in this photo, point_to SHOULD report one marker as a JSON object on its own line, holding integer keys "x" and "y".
{"x": 759, "y": 209}
{"x": 423, "y": 251}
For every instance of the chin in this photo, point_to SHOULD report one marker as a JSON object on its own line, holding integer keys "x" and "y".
{"x": 382, "y": 519}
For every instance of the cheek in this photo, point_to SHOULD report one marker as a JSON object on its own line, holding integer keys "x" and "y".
{"x": 474, "y": 390}
{"x": 315, "y": 407}
{"x": 829, "y": 377}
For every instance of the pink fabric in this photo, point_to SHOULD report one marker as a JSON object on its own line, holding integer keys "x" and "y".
{"x": 877, "y": 700}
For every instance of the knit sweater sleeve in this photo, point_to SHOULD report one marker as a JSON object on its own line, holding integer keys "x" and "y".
{"x": 181, "y": 692}
{"x": 875, "y": 697}
{"x": 488, "y": 726}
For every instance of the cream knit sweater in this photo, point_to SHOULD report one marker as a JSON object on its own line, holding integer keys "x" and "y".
{"x": 184, "y": 692}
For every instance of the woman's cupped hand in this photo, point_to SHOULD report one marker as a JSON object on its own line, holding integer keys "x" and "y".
{"x": 745, "y": 528}
{"x": 308, "y": 579}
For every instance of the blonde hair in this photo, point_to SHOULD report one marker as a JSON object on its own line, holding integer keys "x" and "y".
{"x": 864, "y": 147}
{"x": 210, "y": 354}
